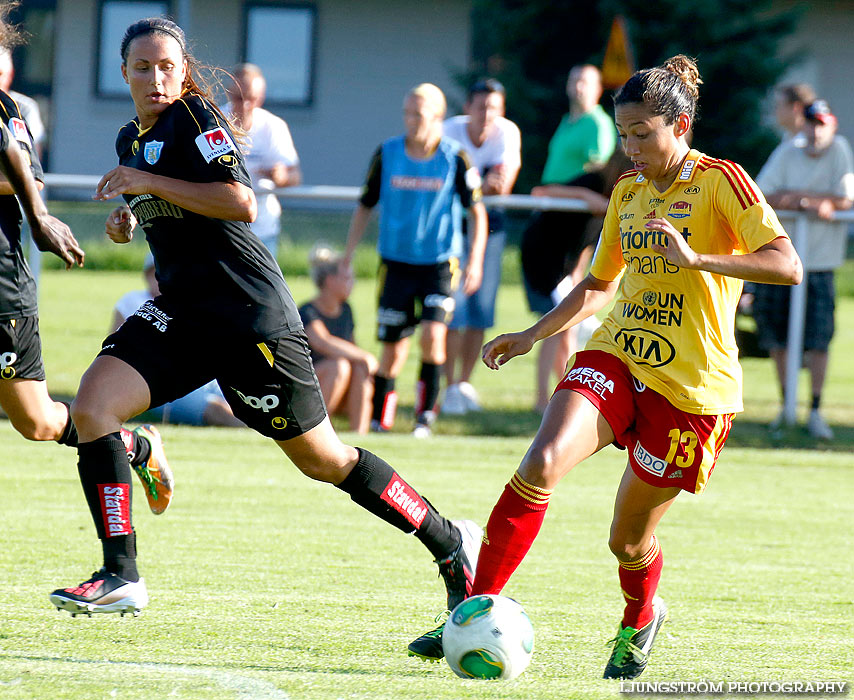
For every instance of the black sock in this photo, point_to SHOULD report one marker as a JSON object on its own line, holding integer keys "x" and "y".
{"x": 120, "y": 556}
{"x": 428, "y": 388}
{"x": 69, "y": 434}
{"x": 375, "y": 486}
{"x": 138, "y": 448}
{"x": 383, "y": 386}
{"x": 816, "y": 401}
{"x": 106, "y": 479}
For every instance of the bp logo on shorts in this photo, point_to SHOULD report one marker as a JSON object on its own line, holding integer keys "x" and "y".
{"x": 265, "y": 403}
{"x": 7, "y": 359}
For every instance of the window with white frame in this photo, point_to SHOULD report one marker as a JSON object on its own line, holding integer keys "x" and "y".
{"x": 114, "y": 17}
{"x": 279, "y": 39}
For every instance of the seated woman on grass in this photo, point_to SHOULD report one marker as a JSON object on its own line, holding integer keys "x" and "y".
{"x": 345, "y": 371}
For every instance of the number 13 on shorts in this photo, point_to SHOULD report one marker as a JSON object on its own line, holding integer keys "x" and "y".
{"x": 688, "y": 440}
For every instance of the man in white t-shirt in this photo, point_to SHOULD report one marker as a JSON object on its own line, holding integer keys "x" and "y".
{"x": 817, "y": 177}
{"x": 494, "y": 145}
{"x": 28, "y": 106}
{"x": 271, "y": 158}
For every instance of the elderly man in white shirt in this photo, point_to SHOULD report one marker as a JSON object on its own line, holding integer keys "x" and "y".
{"x": 271, "y": 158}
{"x": 818, "y": 177}
{"x": 494, "y": 145}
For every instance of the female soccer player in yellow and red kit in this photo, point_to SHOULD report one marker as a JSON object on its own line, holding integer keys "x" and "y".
{"x": 661, "y": 377}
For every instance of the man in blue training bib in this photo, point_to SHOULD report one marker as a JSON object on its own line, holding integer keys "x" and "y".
{"x": 422, "y": 182}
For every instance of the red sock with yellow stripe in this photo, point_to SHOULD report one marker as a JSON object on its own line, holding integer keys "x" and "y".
{"x": 639, "y": 580}
{"x": 513, "y": 525}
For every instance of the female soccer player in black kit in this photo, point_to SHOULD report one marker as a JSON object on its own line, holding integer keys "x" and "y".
{"x": 224, "y": 312}
{"x": 23, "y": 390}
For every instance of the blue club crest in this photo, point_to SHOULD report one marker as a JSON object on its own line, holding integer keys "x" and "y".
{"x": 152, "y": 151}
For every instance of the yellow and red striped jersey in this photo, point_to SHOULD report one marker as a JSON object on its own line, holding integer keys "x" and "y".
{"x": 675, "y": 328}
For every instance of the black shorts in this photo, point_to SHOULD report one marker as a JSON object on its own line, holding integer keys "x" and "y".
{"x": 771, "y": 313}
{"x": 270, "y": 385}
{"x": 412, "y": 293}
{"x": 21, "y": 349}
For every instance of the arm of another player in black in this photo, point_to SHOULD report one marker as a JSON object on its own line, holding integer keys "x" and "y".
{"x": 49, "y": 233}
{"x": 367, "y": 201}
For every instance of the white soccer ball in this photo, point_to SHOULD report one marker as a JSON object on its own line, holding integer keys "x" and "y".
{"x": 488, "y": 636}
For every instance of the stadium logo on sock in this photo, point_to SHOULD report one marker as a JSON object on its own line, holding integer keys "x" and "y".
{"x": 400, "y": 496}
{"x": 115, "y": 508}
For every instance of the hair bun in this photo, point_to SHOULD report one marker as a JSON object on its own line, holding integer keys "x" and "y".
{"x": 686, "y": 69}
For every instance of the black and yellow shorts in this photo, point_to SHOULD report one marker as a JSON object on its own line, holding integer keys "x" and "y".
{"x": 412, "y": 293}
{"x": 270, "y": 385}
{"x": 21, "y": 349}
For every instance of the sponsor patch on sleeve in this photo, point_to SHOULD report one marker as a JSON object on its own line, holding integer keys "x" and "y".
{"x": 214, "y": 143}
{"x": 19, "y": 129}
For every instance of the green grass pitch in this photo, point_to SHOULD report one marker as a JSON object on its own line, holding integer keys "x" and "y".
{"x": 265, "y": 584}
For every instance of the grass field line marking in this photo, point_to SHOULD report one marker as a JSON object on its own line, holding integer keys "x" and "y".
{"x": 247, "y": 688}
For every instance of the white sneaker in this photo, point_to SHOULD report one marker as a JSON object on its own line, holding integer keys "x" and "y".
{"x": 421, "y": 431}
{"x": 103, "y": 593}
{"x": 454, "y": 403}
{"x": 818, "y": 427}
{"x": 470, "y": 398}
{"x": 424, "y": 425}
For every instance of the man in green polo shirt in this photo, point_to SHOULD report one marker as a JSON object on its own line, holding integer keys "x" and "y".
{"x": 586, "y": 136}
{"x": 584, "y": 141}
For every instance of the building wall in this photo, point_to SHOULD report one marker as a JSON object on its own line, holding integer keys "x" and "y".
{"x": 366, "y": 57}
{"x": 368, "y": 54}
{"x": 823, "y": 38}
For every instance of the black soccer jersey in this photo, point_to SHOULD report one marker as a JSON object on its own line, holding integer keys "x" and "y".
{"x": 214, "y": 270}
{"x": 17, "y": 286}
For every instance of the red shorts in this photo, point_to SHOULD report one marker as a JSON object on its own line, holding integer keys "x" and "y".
{"x": 667, "y": 447}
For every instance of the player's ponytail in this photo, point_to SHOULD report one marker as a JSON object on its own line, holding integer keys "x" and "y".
{"x": 669, "y": 89}
{"x": 10, "y": 34}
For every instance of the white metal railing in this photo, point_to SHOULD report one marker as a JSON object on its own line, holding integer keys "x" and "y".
{"x": 332, "y": 193}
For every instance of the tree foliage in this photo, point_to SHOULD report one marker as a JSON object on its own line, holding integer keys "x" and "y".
{"x": 530, "y": 45}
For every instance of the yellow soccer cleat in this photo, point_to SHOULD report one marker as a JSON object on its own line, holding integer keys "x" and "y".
{"x": 154, "y": 473}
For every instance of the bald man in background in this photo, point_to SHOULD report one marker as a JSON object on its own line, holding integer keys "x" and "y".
{"x": 422, "y": 182}
{"x": 271, "y": 158}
